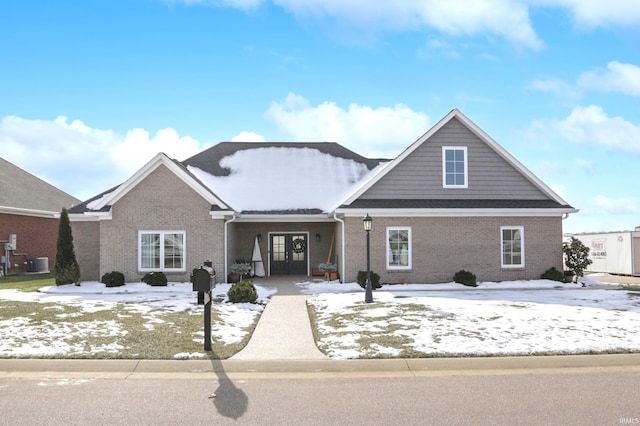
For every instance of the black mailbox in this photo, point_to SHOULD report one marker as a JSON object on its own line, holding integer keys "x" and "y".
{"x": 201, "y": 280}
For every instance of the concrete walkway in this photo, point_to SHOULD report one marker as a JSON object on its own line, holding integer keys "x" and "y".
{"x": 283, "y": 332}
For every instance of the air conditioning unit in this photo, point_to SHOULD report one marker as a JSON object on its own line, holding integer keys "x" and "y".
{"x": 42, "y": 264}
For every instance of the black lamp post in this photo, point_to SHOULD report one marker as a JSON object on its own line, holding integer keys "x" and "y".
{"x": 368, "y": 290}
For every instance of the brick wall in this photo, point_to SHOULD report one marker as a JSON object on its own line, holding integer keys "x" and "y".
{"x": 442, "y": 246}
{"x": 36, "y": 237}
{"x": 87, "y": 248}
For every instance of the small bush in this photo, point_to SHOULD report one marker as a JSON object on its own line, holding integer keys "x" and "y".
{"x": 553, "y": 274}
{"x": 158, "y": 279}
{"x": 375, "y": 279}
{"x": 242, "y": 292}
{"x": 113, "y": 279}
{"x": 465, "y": 278}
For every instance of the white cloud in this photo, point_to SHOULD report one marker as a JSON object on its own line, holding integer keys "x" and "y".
{"x": 617, "y": 205}
{"x": 591, "y": 125}
{"x": 374, "y": 132}
{"x": 556, "y": 86}
{"x": 598, "y": 13}
{"x": 81, "y": 160}
{"x": 245, "y": 136}
{"x": 618, "y": 77}
{"x": 505, "y": 18}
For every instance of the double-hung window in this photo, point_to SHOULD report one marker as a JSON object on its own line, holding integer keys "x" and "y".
{"x": 454, "y": 167}
{"x": 161, "y": 250}
{"x": 398, "y": 247}
{"x": 512, "y": 240}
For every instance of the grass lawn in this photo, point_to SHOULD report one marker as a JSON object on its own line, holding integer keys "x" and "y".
{"x": 107, "y": 330}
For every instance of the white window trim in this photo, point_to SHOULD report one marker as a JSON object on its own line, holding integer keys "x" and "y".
{"x": 409, "y": 249}
{"x": 162, "y": 268}
{"x": 444, "y": 167}
{"x": 522, "y": 247}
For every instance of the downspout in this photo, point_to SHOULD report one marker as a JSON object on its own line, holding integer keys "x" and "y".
{"x": 343, "y": 263}
{"x": 226, "y": 273}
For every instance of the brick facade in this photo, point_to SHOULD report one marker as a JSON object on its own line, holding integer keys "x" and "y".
{"x": 442, "y": 246}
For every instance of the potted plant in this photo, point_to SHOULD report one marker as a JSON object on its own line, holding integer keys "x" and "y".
{"x": 239, "y": 270}
{"x": 330, "y": 271}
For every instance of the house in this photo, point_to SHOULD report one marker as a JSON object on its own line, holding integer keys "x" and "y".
{"x": 454, "y": 199}
{"x": 615, "y": 252}
{"x": 29, "y": 216}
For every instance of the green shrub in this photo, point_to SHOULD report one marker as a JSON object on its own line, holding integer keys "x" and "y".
{"x": 465, "y": 277}
{"x": 375, "y": 279}
{"x": 113, "y": 279}
{"x": 158, "y": 279}
{"x": 553, "y": 274}
{"x": 242, "y": 292}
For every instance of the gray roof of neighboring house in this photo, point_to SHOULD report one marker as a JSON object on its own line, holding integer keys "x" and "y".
{"x": 20, "y": 189}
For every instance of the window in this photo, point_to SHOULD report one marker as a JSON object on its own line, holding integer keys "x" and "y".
{"x": 398, "y": 248}
{"x": 454, "y": 167}
{"x": 512, "y": 239}
{"x": 161, "y": 250}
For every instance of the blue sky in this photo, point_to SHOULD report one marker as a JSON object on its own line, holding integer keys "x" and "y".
{"x": 90, "y": 90}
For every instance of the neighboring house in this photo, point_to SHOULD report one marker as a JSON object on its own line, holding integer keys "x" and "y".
{"x": 29, "y": 216}
{"x": 453, "y": 200}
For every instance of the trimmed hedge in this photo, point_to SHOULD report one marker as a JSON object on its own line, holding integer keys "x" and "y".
{"x": 158, "y": 279}
{"x": 465, "y": 278}
{"x": 242, "y": 292}
{"x": 362, "y": 279}
{"x": 113, "y": 279}
{"x": 553, "y": 274}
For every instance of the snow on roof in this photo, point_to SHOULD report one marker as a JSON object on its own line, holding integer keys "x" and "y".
{"x": 283, "y": 178}
{"x": 93, "y": 204}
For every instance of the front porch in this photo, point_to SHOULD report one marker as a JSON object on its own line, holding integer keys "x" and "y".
{"x": 286, "y": 249}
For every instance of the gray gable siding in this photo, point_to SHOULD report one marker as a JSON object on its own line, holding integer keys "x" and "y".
{"x": 419, "y": 175}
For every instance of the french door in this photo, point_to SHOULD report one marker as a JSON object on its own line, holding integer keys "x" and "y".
{"x": 288, "y": 254}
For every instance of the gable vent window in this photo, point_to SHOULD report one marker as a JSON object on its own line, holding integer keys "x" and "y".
{"x": 454, "y": 167}
{"x": 161, "y": 250}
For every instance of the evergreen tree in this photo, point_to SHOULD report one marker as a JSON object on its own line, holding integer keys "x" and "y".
{"x": 577, "y": 257}
{"x": 67, "y": 270}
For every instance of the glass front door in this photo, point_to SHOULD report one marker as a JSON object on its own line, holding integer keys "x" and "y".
{"x": 288, "y": 254}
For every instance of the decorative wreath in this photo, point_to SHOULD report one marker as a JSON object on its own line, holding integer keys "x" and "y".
{"x": 297, "y": 245}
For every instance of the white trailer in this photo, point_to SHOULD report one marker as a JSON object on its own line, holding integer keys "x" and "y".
{"x": 613, "y": 252}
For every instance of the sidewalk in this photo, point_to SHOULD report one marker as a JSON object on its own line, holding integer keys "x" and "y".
{"x": 275, "y": 369}
{"x": 283, "y": 333}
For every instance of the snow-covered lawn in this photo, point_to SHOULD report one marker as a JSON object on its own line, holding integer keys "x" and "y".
{"x": 509, "y": 318}
{"x": 27, "y": 336}
{"x": 405, "y": 320}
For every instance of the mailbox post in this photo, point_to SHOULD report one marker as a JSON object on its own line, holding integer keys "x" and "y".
{"x": 203, "y": 280}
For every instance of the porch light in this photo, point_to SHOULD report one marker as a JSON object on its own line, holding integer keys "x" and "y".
{"x": 318, "y": 238}
{"x": 368, "y": 290}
